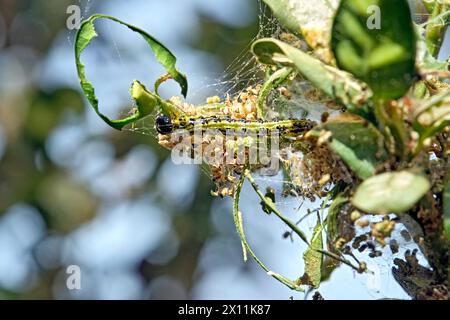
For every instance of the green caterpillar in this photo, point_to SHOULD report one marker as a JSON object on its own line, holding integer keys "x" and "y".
{"x": 291, "y": 127}
{"x": 173, "y": 118}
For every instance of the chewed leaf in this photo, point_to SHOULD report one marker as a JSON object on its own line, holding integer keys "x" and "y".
{"x": 375, "y": 40}
{"x": 392, "y": 192}
{"x": 166, "y": 58}
{"x": 447, "y": 227}
{"x": 314, "y": 258}
{"x": 313, "y": 19}
{"x": 333, "y": 82}
{"x": 359, "y": 144}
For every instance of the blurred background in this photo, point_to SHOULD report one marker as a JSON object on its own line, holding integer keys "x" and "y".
{"x": 75, "y": 192}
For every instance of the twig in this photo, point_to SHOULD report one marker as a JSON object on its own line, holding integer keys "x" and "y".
{"x": 269, "y": 203}
{"x": 245, "y": 245}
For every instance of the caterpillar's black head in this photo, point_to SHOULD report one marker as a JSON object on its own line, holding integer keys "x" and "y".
{"x": 164, "y": 125}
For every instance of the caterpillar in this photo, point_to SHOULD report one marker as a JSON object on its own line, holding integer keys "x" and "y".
{"x": 243, "y": 138}
{"x": 290, "y": 127}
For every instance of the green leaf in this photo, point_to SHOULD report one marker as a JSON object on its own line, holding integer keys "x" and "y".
{"x": 375, "y": 40}
{"x": 392, "y": 192}
{"x": 359, "y": 144}
{"x": 85, "y": 35}
{"x": 313, "y": 258}
{"x": 436, "y": 28}
{"x": 312, "y": 19}
{"x": 246, "y": 248}
{"x": 433, "y": 116}
{"x": 429, "y": 5}
{"x": 447, "y": 227}
{"x": 274, "y": 80}
{"x": 333, "y": 82}
{"x": 269, "y": 205}
{"x": 329, "y": 264}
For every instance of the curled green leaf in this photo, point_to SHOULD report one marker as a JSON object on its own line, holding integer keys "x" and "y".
{"x": 87, "y": 33}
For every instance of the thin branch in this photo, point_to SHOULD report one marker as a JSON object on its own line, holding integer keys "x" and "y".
{"x": 245, "y": 245}
{"x": 269, "y": 203}
{"x": 339, "y": 258}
